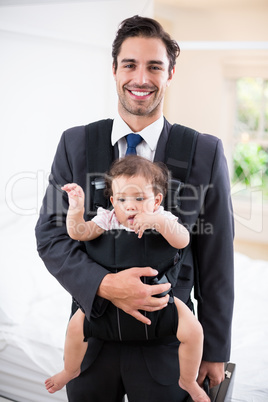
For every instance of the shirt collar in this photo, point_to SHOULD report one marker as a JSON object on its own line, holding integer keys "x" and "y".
{"x": 150, "y": 133}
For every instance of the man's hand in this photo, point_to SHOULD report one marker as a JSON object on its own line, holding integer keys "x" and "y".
{"x": 214, "y": 371}
{"x": 126, "y": 291}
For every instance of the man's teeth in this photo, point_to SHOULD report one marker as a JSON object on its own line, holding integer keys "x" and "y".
{"x": 138, "y": 93}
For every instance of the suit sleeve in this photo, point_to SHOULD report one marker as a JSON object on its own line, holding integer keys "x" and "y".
{"x": 65, "y": 258}
{"x": 214, "y": 247}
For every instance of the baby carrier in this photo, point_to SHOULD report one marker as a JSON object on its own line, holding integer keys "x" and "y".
{"x": 120, "y": 249}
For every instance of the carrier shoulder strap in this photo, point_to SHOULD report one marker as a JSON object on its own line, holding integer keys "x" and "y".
{"x": 99, "y": 156}
{"x": 98, "y": 146}
{"x": 180, "y": 151}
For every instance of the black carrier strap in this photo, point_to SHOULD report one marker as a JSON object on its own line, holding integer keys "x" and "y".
{"x": 179, "y": 154}
{"x": 99, "y": 156}
{"x": 180, "y": 151}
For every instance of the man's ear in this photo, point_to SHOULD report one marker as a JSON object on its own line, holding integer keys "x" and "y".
{"x": 170, "y": 76}
{"x": 114, "y": 70}
{"x": 157, "y": 201}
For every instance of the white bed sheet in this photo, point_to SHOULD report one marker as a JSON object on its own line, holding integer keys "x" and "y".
{"x": 250, "y": 330}
{"x": 34, "y": 312}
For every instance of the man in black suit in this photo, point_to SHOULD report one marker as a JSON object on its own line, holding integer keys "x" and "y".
{"x": 144, "y": 58}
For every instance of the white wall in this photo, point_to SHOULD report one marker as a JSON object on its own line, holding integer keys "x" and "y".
{"x": 56, "y": 72}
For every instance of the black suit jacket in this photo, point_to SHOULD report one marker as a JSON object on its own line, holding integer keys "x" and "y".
{"x": 205, "y": 209}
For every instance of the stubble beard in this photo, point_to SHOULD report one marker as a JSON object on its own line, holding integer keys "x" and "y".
{"x": 139, "y": 109}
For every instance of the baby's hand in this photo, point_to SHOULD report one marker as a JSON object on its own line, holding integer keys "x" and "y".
{"x": 143, "y": 221}
{"x": 76, "y": 195}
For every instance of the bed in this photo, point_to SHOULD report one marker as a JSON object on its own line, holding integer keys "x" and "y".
{"x": 34, "y": 312}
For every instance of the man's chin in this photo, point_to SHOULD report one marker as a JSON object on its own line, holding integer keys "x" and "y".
{"x": 139, "y": 108}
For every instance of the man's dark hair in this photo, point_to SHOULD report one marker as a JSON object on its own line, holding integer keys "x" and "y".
{"x": 147, "y": 28}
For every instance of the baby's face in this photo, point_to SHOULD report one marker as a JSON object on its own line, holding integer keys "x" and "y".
{"x": 132, "y": 195}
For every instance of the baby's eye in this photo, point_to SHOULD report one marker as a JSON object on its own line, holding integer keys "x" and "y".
{"x": 121, "y": 199}
{"x": 139, "y": 198}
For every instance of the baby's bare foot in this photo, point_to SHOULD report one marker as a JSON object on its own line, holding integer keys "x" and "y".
{"x": 58, "y": 381}
{"x": 197, "y": 393}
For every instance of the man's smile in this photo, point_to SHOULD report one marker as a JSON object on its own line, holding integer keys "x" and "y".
{"x": 138, "y": 93}
{"x": 142, "y": 93}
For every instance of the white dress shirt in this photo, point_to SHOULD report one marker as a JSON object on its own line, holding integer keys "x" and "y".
{"x": 150, "y": 134}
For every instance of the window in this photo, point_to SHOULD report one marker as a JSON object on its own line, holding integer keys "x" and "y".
{"x": 251, "y": 134}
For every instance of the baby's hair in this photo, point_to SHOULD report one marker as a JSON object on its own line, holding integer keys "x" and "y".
{"x": 156, "y": 173}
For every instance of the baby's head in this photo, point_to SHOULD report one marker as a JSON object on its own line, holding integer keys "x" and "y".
{"x": 154, "y": 173}
{"x": 136, "y": 185}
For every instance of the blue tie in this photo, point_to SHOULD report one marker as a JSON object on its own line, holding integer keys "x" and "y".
{"x": 132, "y": 141}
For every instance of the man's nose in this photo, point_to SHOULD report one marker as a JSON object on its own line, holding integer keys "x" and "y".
{"x": 141, "y": 75}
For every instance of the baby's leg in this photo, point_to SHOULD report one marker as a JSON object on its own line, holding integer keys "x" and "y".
{"x": 190, "y": 334}
{"x": 74, "y": 352}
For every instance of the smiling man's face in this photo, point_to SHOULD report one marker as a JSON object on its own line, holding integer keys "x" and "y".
{"x": 142, "y": 77}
